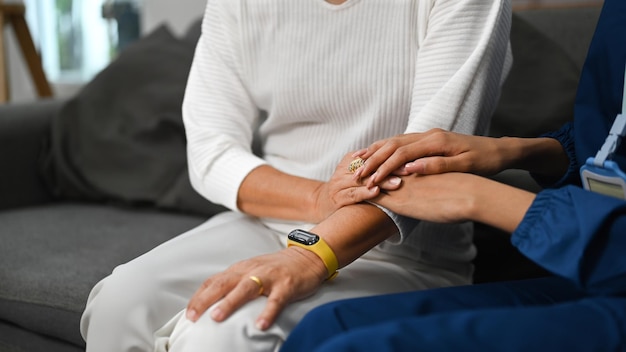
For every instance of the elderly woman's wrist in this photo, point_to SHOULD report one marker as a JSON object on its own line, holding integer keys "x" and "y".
{"x": 315, "y": 263}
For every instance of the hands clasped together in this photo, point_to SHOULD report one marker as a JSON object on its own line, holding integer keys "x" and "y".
{"x": 429, "y": 176}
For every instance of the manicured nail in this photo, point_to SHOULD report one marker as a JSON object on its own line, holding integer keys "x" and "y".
{"x": 217, "y": 314}
{"x": 262, "y": 324}
{"x": 395, "y": 181}
{"x": 192, "y": 315}
{"x": 358, "y": 153}
{"x": 417, "y": 166}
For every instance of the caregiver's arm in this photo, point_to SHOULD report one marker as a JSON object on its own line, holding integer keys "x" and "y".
{"x": 438, "y": 151}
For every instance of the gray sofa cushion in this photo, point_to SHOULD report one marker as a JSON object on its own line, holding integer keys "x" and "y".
{"x": 15, "y": 339}
{"x": 121, "y": 139}
{"x": 52, "y": 256}
{"x": 22, "y": 128}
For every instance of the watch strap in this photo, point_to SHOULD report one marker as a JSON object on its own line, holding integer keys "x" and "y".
{"x": 322, "y": 250}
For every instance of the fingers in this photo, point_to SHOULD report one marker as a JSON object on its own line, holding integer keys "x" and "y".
{"x": 356, "y": 194}
{"x": 391, "y": 183}
{"x": 428, "y": 166}
{"x": 432, "y": 152}
{"x": 210, "y": 292}
{"x": 438, "y": 165}
{"x": 246, "y": 290}
{"x": 233, "y": 290}
{"x": 389, "y": 156}
{"x": 275, "y": 304}
{"x": 349, "y": 189}
{"x": 381, "y": 163}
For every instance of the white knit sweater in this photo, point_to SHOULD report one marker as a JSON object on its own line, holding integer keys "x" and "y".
{"x": 333, "y": 79}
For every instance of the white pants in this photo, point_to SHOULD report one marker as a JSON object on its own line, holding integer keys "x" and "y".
{"x": 139, "y": 307}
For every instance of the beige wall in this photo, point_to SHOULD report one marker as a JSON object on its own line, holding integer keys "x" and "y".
{"x": 177, "y": 14}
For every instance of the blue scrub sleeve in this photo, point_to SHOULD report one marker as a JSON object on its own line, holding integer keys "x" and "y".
{"x": 579, "y": 235}
{"x": 565, "y": 136}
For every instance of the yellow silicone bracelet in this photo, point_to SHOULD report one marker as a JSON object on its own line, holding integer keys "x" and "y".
{"x": 322, "y": 250}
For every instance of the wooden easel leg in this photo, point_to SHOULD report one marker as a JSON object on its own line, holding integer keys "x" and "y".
{"x": 33, "y": 60}
{"x": 4, "y": 84}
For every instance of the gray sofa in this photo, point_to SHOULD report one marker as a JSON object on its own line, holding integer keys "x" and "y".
{"x": 62, "y": 228}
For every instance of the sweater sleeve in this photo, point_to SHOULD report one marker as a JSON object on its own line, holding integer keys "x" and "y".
{"x": 578, "y": 235}
{"x": 464, "y": 56}
{"x": 218, "y": 112}
{"x": 462, "y": 61}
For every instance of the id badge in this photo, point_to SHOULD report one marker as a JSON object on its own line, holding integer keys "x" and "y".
{"x": 608, "y": 179}
{"x": 601, "y": 174}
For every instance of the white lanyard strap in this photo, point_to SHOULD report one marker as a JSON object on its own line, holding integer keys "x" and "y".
{"x": 615, "y": 135}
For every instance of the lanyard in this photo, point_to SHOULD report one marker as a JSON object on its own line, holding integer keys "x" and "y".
{"x": 600, "y": 174}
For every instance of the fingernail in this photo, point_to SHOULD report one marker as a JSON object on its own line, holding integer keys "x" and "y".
{"x": 191, "y": 315}
{"x": 358, "y": 153}
{"x": 217, "y": 314}
{"x": 395, "y": 181}
{"x": 417, "y": 167}
{"x": 372, "y": 178}
{"x": 261, "y": 324}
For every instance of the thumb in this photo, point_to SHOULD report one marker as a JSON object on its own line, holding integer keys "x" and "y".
{"x": 391, "y": 183}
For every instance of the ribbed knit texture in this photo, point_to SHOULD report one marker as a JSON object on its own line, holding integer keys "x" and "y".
{"x": 333, "y": 79}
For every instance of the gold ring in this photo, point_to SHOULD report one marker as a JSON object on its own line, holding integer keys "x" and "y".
{"x": 258, "y": 282}
{"x": 355, "y": 164}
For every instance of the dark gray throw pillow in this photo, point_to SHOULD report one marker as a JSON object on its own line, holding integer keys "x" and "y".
{"x": 121, "y": 138}
{"x": 538, "y": 95}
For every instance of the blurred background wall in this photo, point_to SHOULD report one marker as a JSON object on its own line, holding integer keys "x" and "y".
{"x": 77, "y": 38}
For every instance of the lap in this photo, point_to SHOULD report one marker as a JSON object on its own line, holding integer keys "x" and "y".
{"x": 581, "y": 325}
{"x": 178, "y": 267}
{"x": 343, "y": 316}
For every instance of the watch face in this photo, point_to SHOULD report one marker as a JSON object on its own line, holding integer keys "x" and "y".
{"x": 303, "y": 237}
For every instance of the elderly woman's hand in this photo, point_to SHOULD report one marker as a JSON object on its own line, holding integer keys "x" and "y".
{"x": 343, "y": 189}
{"x": 284, "y": 277}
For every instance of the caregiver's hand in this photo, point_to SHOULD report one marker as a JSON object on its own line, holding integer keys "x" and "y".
{"x": 432, "y": 152}
{"x": 284, "y": 277}
{"x": 456, "y": 197}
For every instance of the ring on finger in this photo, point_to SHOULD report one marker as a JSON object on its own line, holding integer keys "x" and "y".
{"x": 258, "y": 282}
{"x": 355, "y": 164}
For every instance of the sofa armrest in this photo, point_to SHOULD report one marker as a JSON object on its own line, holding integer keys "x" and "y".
{"x": 23, "y": 128}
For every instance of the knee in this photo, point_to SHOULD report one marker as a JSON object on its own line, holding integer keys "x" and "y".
{"x": 124, "y": 293}
{"x": 123, "y": 289}
{"x": 237, "y": 333}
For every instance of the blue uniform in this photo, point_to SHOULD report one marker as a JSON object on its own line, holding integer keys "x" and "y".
{"x": 578, "y": 235}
